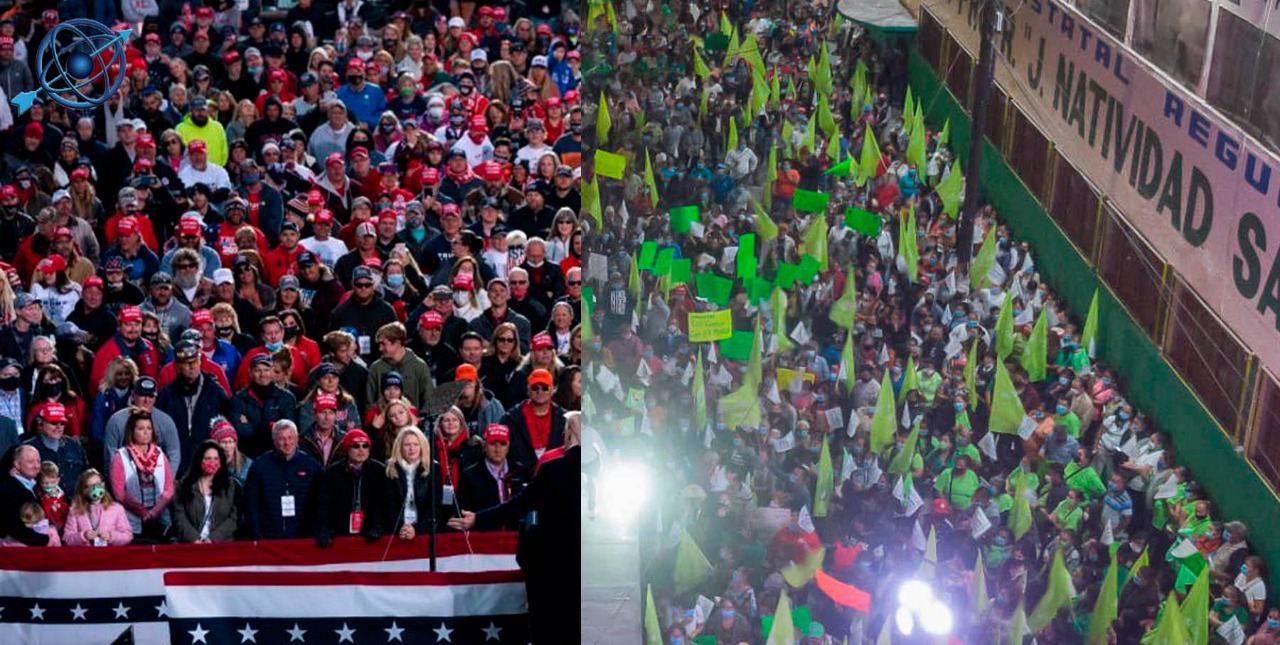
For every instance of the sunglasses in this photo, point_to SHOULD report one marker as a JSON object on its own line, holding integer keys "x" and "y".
{"x": 360, "y": 446}
{"x": 539, "y": 388}
{"x": 506, "y": 340}
{"x": 519, "y": 282}
{"x": 184, "y": 267}
{"x": 575, "y": 283}
{"x": 364, "y": 285}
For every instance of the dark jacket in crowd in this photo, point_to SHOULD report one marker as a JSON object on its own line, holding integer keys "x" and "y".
{"x": 253, "y": 416}
{"x": 479, "y": 490}
{"x": 192, "y": 422}
{"x": 521, "y": 442}
{"x": 271, "y": 478}
{"x": 398, "y": 488}
{"x": 188, "y": 517}
{"x": 343, "y": 492}
{"x": 13, "y": 495}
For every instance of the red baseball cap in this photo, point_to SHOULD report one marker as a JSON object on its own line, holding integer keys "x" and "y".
{"x": 130, "y": 314}
{"x": 188, "y": 227}
{"x": 145, "y": 140}
{"x": 375, "y": 262}
{"x": 430, "y": 176}
{"x": 204, "y": 12}
{"x": 353, "y": 435}
{"x": 463, "y": 281}
{"x": 542, "y": 341}
{"x": 54, "y": 413}
{"x": 497, "y": 432}
{"x": 79, "y": 173}
{"x": 315, "y": 197}
{"x": 479, "y": 123}
{"x": 151, "y": 38}
{"x": 486, "y": 11}
{"x": 9, "y": 190}
{"x": 544, "y": 28}
{"x": 355, "y": 64}
{"x": 432, "y": 320}
{"x": 326, "y": 401}
{"x": 62, "y": 232}
{"x": 277, "y": 75}
{"x": 198, "y": 145}
{"x": 335, "y": 159}
{"x": 553, "y": 102}
{"x": 466, "y": 372}
{"x": 201, "y": 317}
{"x": 492, "y": 171}
{"x": 142, "y": 164}
{"x": 541, "y": 377}
{"x": 231, "y": 56}
{"x": 127, "y": 226}
{"x": 94, "y": 281}
{"x": 323, "y": 216}
{"x": 52, "y": 264}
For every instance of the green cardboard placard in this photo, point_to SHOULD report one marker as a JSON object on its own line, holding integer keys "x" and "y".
{"x": 589, "y": 299}
{"x": 760, "y": 290}
{"x": 714, "y": 288}
{"x": 683, "y": 216}
{"x": 810, "y": 201}
{"x": 648, "y": 251}
{"x": 681, "y": 271}
{"x": 662, "y": 265}
{"x": 717, "y": 43}
{"x": 862, "y": 221}
{"x": 787, "y": 274}
{"x": 746, "y": 259}
{"x": 737, "y": 348}
{"x": 610, "y": 165}
{"x": 808, "y": 270}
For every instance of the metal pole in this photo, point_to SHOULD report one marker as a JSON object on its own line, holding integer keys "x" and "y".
{"x": 981, "y": 92}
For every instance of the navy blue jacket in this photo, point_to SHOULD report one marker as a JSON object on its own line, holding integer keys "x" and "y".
{"x": 270, "y": 479}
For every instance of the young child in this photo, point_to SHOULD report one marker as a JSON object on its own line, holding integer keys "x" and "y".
{"x": 34, "y": 518}
{"x": 51, "y": 496}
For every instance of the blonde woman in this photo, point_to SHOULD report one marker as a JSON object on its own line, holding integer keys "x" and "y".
{"x": 411, "y": 62}
{"x": 7, "y": 312}
{"x": 503, "y": 79}
{"x": 246, "y": 114}
{"x": 84, "y": 198}
{"x": 395, "y": 414}
{"x": 408, "y": 472}
{"x": 561, "y": 237}
{"x": 318, "y": 55}
{"x": 454, "y": 451}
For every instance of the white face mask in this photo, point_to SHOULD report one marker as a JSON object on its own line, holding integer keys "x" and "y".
{"x": 460, "y": 298}
{"x": 364, "y": 55}
{"x": 435, "y": 112}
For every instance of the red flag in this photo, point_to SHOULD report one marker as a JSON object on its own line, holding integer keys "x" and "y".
{"x": 846, "y": 555}
{"x": 843, "y": 593}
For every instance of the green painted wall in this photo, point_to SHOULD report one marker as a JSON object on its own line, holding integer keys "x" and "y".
{"x": 1152, "y": 383}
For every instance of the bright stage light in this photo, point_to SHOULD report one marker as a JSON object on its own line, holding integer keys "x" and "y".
{"x": 936, "y": 619}
{"x": 624, "y": 490}
{"x": 914, "y": 595}
{"x": 904, "y": 621}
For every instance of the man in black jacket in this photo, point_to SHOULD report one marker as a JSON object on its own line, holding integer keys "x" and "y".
{"x": 496, "y": 479}
{"x": 364, "y": 313}
{"x": 548, "y": 512}
{"x": 536, "y": 424}
{"x": 192, "y": 399}
{"x": 277, "y": 494}
{"x": 352, "y": 493}
{"x": 16, "y": 490}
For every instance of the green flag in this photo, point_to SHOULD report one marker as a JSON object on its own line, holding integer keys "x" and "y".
{"x": 633, "y": 279}
{"x": 983, "y": 262}
{"x": 699, "y": 397}
{"x": 1105, "y": 609}
{"x": 649, "y": 180}
{"x": 826, "y": 121}
{"x": 714, "y": 288}
{"x": 733, "y": 134}
{"x": 916, "y": 147}
{"x": 978, "y": 598}
{"x": 1059, "y": 594}
{"x": 702, "y": 106}
{"x": 1171, "y": 626}
{"x": 945, "y": 136}
{"x": 603, "y": 122}
{"x": 909, "y": 244}
{"x": 692, "y": 567}
{"x": 1196, "y": 609}
{"x": 681, "y": 271}
{"x": 1006, "y": 408}
{"x": 869, "y": 160}
{"x": 862, "y": 221}
{"x": 764, "y": 224}
{"x": 775, "y": 90}
{"x": 822, "y": 73}
{"x": 844, "y": 310}
{"x": 1088, "y": 339}
{"x": 949, "y": 191}
{"x": 738, "y": 346}
{"x": 833, "y": 148}
{"x": 886, "y": 417}
{"x": 1035, "y": 354}
{"x": 902, "y": 461}
{"x": 1141, "y": 563}
{"x": 740, "y": 407}
{"x": 809, "y": 201}
{"x": 1018, "y": 625}
{"x": 746, "y": 258}
{"x": 810, "y": 140}
{"x": 970, "y": 371}
{"x": 846, "y": 363}
{"x": 648, "y": 254}
{"x": 591, "y": 199}
{"x": 780, "y": 321}
{"x": 815, "y": 240}
{"x": 652, "y": 629}
{"x": 700, "y": 66}
{"x": 682, "y": 216}
{"x": 771, "y": 176}
{"x": 908, "y": 108}
{"x": 826, "y": 481}
{"x": 910, "y": 380}
{"x": 1020, "y": 516}
{"x": 783, "y": 631}
{"x": 842, "y": 169}
{"x": 1004, "y": 329}
{"x": 734, "y": 46}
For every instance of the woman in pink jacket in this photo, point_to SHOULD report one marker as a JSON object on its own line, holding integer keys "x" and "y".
{"x": 95, "y": 520}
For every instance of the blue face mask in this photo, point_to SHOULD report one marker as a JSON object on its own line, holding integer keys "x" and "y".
{"x": 251, "y": 178}
{"x": 677, "y": 640}
{"x": 395, "y": 280}
{"x": 1000, "y": 540}
{"x": 1244, "y": 569}
{"x": 1226, "y": 536}
{"x": 273, "y": 347}
{"x": 959, "y": 407}
{"x": 1062, "y": 380}
{"x": 1124, "y": 416}
{"x": 1273, "y": 623}
{"x": 726, "y": 613}
{"x": 972, "y": 324}
{"x": 1062, "y": 409}
{"x": 1106, "y": 382}
{"x": 791, "y": 478}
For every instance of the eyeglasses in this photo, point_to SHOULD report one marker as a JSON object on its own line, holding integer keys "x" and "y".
{"x": 506, "y": 340}
{"x": 575, "y": 283}
{"x": 184, "y": 267}
{"x": 360, "y": 446}
{"x": 539, "y": 388}
{"x": 172, "y": 142}
{"x": 519, "y": 282}
{"x": 364, "y": 285}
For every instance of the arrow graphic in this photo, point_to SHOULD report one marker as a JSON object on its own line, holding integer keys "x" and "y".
{"x": 24, "y": 100}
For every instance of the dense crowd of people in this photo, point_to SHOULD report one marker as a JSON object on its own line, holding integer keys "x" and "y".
{"x": 308, "y": 273}
{"x": 874, "y": 386}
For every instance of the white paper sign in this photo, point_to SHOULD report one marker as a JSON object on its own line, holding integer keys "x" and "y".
{"x": 980, "y": 524}
{"x": 835, "y": 418}
{"x": 988, "y": 445}
{"x": 644, "y": 372}
{"x": 784, "y": 444}
{"x": 805, "y": 521}
{"x": 696, "y": 229}
{"x": 597, "y": 267}
{"x": 800, "y": 334}
{"x": 1231, "y": 631}
{"x": 1168, "y": 489}
{"x": 1027, "y": 426}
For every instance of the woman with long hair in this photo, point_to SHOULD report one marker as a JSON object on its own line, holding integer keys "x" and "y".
{"x": 469, "y": 302}
{"x": 569, "y": 388}
{"x": 55, "y": 288}
{"x": 208, "y": 498}
{"x": 453, "y": 449}
{"x": 246, "y": 113}
{"x": 325, "y": 381}
{"x": 574, "y": 355}
{"x": 546, "y": 168}
{"x": 500, "y": 361}
{"x": 395, "y": 414}
{"x": 142, "y": 478}
{"x": 224, "y": 434}
{"x": 53, "y": 386}
{"x": 155, "y": 332}
{"x": 561, "y": 327}
{"x": 412, "y": 486}
{"x": 114, "y": 391}
{"x": 226, "y": 106}
{"x": 295, "y": 332}
{"x": 84, "y": 199}
{"x": 542, "y": 355}
{"x": 562, "y": 229}
{"x": 95, "y": 519}
{"x": 171, "y": 149}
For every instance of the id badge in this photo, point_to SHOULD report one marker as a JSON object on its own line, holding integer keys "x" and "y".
{"x": 448, "y": 495}
{"x": 99, "y": 542}
{"x": 364, "y": 344}
{"x": 411, "y": 516}
{"x": 355, "y": 522}
{"x": 287, "y": 508}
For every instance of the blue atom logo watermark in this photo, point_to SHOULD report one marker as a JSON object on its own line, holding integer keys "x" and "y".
{"x": 75, "y": 65}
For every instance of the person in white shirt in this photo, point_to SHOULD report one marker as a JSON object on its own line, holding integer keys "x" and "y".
{"x": 742, "y": 161}
{"x": 197, "y": 169}
{"x": 532, "y": 151}
{"x": 476, "y": 145}
{"x": 325, "y": 247}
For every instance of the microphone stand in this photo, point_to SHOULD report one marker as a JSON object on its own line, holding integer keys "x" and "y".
{"x": 435, "y": 466}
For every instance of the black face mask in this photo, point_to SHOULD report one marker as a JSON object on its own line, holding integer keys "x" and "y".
{"x": 9, "y": 383}
{"x": 152, "y": 336}
{"x": 225, "y": 332}
{"x": 290, "y": 333}
{"x": 55, "y": 389}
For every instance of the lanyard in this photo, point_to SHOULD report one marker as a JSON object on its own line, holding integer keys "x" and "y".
{"x": 355, "y": 506}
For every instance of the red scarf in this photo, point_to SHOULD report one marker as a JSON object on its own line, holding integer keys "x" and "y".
{"x": 145, "y": 461}
{"x": 450, "y": 460}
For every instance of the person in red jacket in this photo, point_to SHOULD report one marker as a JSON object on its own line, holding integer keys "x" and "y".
{"x": 128, "y": 341}
{"x": 272, "y": 330}
{"x": 129, "y": 211}
{"x": 283, "y": 260}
